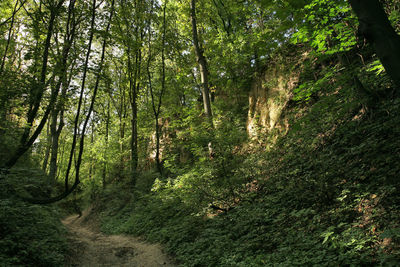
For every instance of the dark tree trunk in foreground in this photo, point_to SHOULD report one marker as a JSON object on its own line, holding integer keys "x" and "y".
{"x": 376, "y": 28}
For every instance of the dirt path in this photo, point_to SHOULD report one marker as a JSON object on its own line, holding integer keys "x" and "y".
{"x": 90, "y": 248}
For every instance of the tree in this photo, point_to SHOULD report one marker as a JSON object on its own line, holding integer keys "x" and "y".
{"x": 10, "y": 30}
{"x": 64, "y": 81}
{"x": 69, "y": 189}
{"x": 38, "y": 87}
{"x": 156, "y": 103}
{"x": 201, "y": 60}
{"x": 375, "y": 27}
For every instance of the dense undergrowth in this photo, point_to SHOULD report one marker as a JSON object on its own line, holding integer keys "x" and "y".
{"x": 325, "y": 194}
{"x": 30, "y": 235}
{"x": 313, "y": 182}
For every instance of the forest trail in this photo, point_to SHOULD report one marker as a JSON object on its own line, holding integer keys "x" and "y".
{"x": 91, "y": 248}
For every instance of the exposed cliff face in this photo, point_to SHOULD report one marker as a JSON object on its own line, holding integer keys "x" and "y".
{"x": 269, "y": 95}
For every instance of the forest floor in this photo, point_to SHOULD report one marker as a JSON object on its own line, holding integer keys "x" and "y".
{"x": 90, "y": 247}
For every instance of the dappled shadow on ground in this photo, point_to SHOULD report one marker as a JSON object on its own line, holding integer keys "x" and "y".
{"x": 90, "y": 247}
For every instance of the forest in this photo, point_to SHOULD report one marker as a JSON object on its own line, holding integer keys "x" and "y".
{"x": 223, "y": 132}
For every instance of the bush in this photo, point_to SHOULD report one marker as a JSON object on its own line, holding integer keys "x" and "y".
{"x": 325, "y": 194}
{"x": 30, "y": 235}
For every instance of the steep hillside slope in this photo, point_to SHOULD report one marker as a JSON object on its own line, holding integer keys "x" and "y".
{"x": 322, "y": 189}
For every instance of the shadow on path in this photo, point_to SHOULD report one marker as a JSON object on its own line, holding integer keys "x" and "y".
{"x": 90, "y": 247}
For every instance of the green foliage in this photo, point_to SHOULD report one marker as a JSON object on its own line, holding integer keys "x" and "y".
{"x": 319, "y": 189}
{"x": 30, "y": 235}
{"x": 325, "y": 195}
{"x": 327, "y": 26}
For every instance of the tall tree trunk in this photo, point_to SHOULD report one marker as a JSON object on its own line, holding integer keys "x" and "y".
{"x": 48, "y": 146}
{"x": 133, "y": 93}
{"x": 122, "y": 123}
{"x": 3, "y": 61}
{"x": 78, "y": 112}
{"x": 157, "y": 107}
{"x": 134, "y": 72}
{"x": 134, "y": 135}
{"x": 91, "y": 158}
{"x": 60, "y": 159}
{"x": 55, "y": 134}
{"x": 37, "y": 91}
{"x": 96, "y": 86}
{"x": 69, "y": 190}
{"x": 104, "y": 176}
{"x": 58, "y": 112}
{"x": 376, "y": 28}
{"x": 201, "y": 60}
{"x": 58, "y": 115}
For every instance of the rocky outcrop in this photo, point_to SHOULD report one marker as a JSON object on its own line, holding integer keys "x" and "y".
{"x": 270, "y": 94}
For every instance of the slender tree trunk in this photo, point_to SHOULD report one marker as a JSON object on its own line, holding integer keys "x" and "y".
{"x": 58, "y": 114}
{"x": 48, "y": 146}
{"x": 55, "y": 136}
{"x": 134, "y": 135}
{"x": 60, "y": 159}
{"x": 134, "y": 71}
{"x": 106, "y": 146}
{"x": 376, "y": 28}
{"x": 91, "y": 158}
{"x": 122, "y": 124}
{"x": 96, "y": 86}
{"x": 37, "y": 91}
{"x": 157, "y": 107}
{"x": 156, "y": 116}
{"x": 133, "y": 92}
{"x": 158, "y": 161}
{"x": 76, "y": 121}
{"x": 9, "y": 37}
{"x": 201, "y": 60}
{"x": 69, "y": 190}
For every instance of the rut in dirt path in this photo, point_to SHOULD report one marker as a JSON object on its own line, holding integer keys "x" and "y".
{"x": 90, "y": 248}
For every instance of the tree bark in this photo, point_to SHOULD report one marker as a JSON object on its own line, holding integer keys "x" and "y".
{"x": 76, "y": 121}
{"x": 37, "y": 91}
{"x": 92, "y": 161}
{"x": 134, "y": 82}
{"x": 133, "y": 93}
{"x": 376, "y": 28}
{"x": 68, "y": 189}
{"x": 201, "y": 60}
{"x": 96, "y": 86}
{"x": 122, "y": 123}
{"x": 104, "y": 176}
{"x": 55, "y": 130}
{"x": 9, "y": 37}
{"x": 47, "y": 151}
{"x": 156, "y": 105}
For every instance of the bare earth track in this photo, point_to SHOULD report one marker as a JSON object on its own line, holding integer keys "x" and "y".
{"x": 90, "y": 248}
